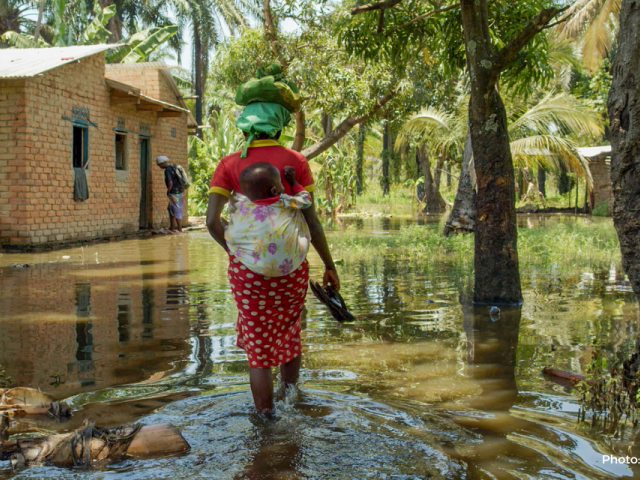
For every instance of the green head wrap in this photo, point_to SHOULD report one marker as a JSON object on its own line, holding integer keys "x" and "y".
{"x": 262, "y": 117}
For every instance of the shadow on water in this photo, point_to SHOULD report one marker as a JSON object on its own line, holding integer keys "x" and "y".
{"x": 418, "y": 387}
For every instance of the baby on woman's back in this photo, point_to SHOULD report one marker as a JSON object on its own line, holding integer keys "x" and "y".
{"x": 267, "y": 231}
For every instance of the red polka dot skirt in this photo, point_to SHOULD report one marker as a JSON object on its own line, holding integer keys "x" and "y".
{"x": 269, "y": 311}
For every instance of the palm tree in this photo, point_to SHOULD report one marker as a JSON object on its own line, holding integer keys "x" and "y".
{"x": 541, "y": 133}
{"x": 137, "y": 48}
{"x": 593, "y": 23}
{"x": 207, "y": 20}
{"x": 12, "y": 15}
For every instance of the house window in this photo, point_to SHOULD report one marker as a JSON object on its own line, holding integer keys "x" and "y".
{"x": 80, "y": 146}
{"x": 121, "y": 151}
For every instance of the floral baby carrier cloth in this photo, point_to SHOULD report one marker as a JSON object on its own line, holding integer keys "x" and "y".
{"x": 272, "y": 240}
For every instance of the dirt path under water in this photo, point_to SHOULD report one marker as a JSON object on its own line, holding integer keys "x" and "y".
{"x": 418, "y": 387}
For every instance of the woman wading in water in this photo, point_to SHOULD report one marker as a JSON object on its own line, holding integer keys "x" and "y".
{"x": 267, "y": 241}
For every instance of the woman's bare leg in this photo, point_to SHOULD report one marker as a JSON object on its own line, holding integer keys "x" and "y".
{"x": 261, "y": 382}
{"x": 290, "y": 371}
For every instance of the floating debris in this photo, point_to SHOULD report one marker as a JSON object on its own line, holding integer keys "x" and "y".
{"x": 90, "y": 444}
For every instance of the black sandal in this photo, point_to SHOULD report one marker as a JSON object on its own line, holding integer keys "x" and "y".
{"x": 333, "y": 300}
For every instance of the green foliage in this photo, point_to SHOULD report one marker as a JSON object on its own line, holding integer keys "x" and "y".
{"x": 601, "y": 210}
{"x": 96, "y": 31}
{"x": 336, "y": 180}
{"x": 610, "y": 393}
{"x": 342, "y": 86}
{"x": 594, "y": 25}
{"x": 22, "y": 40}
{"x": 540, "y": 131}
{"x": 574, "y": 246}
{"x": 5, "y": 381}
{"x": 438, "y": 41}
{"x": 222, "y": 139}
{"x": 14, "y": 15}
{"x": 593, "y": 87}
{"x": 143, "y": 43}
{"x": 137, "y": 48}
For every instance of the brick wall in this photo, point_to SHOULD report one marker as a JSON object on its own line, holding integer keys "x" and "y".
{"x": 602, "y": 190}
{"x": 36, "y": 157}
{"x": 94, "y": 324}
{"x": 149, "y": 80}
{"x": 12, "y": 150}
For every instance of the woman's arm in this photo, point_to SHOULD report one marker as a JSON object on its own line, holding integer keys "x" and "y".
{"x": 319, "y": 242}
{"x": 217, "y": 202}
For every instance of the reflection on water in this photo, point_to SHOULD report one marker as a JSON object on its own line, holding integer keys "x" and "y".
{"x": 419, "y": 387}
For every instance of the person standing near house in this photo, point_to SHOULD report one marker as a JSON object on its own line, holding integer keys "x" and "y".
{"x": 174, "y": 192}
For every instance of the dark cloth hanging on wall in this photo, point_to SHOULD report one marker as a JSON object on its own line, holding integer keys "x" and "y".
{"x": 80, "y": 188}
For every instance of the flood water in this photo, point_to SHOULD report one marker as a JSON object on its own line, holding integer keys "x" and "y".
{"x": 418, "y": 387}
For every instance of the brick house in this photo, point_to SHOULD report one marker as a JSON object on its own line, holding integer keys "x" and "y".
{"x": 600, "y": 167}
{"x": 63, "y": 110}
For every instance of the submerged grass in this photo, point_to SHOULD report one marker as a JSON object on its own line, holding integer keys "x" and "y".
{"x": 582, "y": 242}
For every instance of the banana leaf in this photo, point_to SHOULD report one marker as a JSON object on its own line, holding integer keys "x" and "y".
{"x": 60, "y": 26}
{"x": 96, "y": 32}
{"x": 21, "y": 40}
{"x": 156, "y": 37}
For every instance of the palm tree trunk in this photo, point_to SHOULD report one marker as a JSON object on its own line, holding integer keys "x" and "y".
{"x": 199, "y": 72}
{"x": 360, "y": 160}
{"x": 386, "y": 154}
{"x": 434, "y": 203}
{"x": 542, "y": 180}
{"x": 624, "y": 111}
{"x": 327, "y": 123}
{"x": 36, "y": 32}
{"x": 114, "y": 25}
{"x": 462, "y": 218}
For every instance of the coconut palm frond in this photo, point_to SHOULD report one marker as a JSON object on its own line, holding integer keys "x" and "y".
{"x": 549, "y": 151}
{"x": 563, "y": 52}
{"x": 251, "y": 8}
{"x": 591, "y": 22}
{"x": 428, "y": 121}
{"x": 598, "y": 36}
{"x": 576, "y": 17}
{"x": 431, "y": 123}
{"x": 564, "y": 57}
{"x": 231, "y": 14}
{"x": 562, "y": 113}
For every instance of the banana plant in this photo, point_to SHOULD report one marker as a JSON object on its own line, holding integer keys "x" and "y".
{"x": 135, "y": 49}
{"x": 141, "y": 44}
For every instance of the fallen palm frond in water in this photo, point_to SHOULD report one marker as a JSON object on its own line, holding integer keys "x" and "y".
{"x": 21, "y": 401}
{"x": 564, "y": 378}
{"x": 610, "y": 393}
{"x": 90, "y": 444}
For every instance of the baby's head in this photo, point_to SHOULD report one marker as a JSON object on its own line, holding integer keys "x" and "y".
{"x": 260, "y": 180}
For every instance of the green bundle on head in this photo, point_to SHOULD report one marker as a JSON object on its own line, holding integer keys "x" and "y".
{"x": 270, "y": 86}
{"x": 268, "y": 101}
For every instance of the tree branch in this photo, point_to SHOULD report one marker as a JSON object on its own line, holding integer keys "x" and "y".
{"x": 535, "y": 26}
{"x": 381, "y": 21}
{"x": 342, "y": 129}
{"x": 555, "y": 24}
{"x": 384, "y": 5}
{"x": 272, "y": 34}
{"x": 298, "y": 140}
{"x": 422, "y": 17}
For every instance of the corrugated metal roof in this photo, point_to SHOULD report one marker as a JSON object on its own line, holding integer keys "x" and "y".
{"x": 594, "y": 151}
{"x": 28, "y": 62}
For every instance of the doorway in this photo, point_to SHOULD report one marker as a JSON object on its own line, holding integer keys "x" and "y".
{"x": 145, "y": 174}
